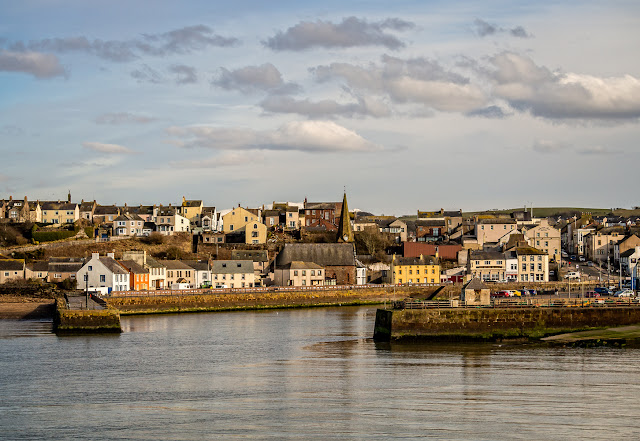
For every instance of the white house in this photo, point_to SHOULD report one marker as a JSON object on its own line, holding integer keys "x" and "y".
{"x": 102, "y": 274}
{"x": 202, "y": 273}
{"x": 168, "y": 221}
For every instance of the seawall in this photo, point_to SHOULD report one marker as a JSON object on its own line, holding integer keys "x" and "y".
{"x": 246, "y": 301}
{"x": 496, "y": 324}
{"x": 71, "y": 321}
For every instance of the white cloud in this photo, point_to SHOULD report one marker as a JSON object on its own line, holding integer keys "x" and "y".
{"x": 305, "y": 136}
{"x": 35, "y": 63}
{"x": 351, "y": 32}
{"x": 527, "y": 86}
{"x": 107, "y": 148}
{"x": 416, "y": 80}
{"x": 265, "y": 77}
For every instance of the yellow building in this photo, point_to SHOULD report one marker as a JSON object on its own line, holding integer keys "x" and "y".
{"x": 192, "y": 210}
{"x": 408, "y": 270}
{"x": 60, "y": 212}
{"x": 240, "y": 220}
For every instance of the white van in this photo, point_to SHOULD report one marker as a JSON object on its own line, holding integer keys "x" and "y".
{"x": 572, "y": 275}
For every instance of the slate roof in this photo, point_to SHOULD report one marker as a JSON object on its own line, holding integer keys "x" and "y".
{"x": 430, "y": 223}
{"x": 134, "y": 267}
{"x": 101, "y": 210}
{"x": 529, "y": 250}
{"x": 153, "y": 263}
{"x": 628, "y": 253}
{"x": 486, "y": 255}
{"x": 324, "y": 254}
{"x": 198, "y": 265}
{"x": 253, "y": 255}
{"x": 298, "y": 265}
{"x": 39, "y": 266}
{"x": 63, "y": 206}
{"x": 497, "y": 220}
{"x": 192, "y": 203}
{"x": 11, "y": 265}
{"x": 474, "y": 284}
{"x": 112, "y": 265}
{"x": 176, "y": 265}
{"x": 426, "y": 260}
{"x": 231, "y": 266}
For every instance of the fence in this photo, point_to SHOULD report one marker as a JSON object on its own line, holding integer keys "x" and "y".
{"x": 522, "y": 303}
{"x": 260, "y": 289}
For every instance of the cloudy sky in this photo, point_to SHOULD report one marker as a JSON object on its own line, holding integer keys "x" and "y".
{"x": 408, "y": 104}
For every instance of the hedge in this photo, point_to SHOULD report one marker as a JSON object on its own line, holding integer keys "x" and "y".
{"x": 50, "y": 236}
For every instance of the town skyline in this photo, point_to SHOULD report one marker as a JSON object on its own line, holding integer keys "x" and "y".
{"x": 463, "y": 105}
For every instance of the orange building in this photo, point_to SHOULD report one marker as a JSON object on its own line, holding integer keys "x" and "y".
{"x": 138, "y": 275}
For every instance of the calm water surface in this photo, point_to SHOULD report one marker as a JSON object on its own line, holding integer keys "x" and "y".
{"x": 310, "y": 374}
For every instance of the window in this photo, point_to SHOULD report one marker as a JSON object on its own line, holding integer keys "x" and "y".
{"x": 102, "y": 278}
{"x": 246, "y": 219}
{"x": 304, "y": 282}
{"x": 90, "y": 268}
{"x": 295, "y": 272}
{"x": 532, "y": 266}
{"x": 410, "y": 271}
{"x": 254, "y": 234}
{"x": 313, "y": 272}
{"x": 242, "y": 278}
{"x": 400, "y": 271}
{"x": 304, "y": 272}
{"x": 231, "y": 227}
{"x": 524, "y": 267}
{"x": 539, "y": 267}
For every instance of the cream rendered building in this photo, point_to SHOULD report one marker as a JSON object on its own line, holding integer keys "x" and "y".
{"x": 546, "y": 238}
{"x": 240, "y": 220}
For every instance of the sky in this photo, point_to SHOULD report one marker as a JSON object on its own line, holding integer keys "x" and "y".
{"x": 408, "y": 105}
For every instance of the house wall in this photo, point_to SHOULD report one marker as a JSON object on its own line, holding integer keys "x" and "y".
{"x": 238, "y": 218}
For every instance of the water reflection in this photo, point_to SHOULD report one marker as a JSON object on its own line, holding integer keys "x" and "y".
{"x": 307, "y": 374}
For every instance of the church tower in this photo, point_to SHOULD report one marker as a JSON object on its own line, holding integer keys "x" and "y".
{"x": 345, "y": 234}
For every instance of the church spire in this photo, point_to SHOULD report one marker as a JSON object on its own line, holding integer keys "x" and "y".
{"x": 345, "y": 234}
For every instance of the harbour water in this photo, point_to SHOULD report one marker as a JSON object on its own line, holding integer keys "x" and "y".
{"x": 305, "y": 374}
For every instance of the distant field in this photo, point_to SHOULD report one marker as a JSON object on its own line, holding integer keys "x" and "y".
{"x": 553, "y": 211}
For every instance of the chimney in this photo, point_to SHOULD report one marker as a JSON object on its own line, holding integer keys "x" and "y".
{"x": 10, "y": 198}
{"x": 95, "y": 255}
{"x": 112, "y": 255}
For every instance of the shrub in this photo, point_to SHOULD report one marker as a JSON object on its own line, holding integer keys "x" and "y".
{"x": 153, "y": 239}
{"x": 50, "y": 236}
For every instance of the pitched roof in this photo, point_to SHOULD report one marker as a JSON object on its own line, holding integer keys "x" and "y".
{"x": 134, "y": 267}
{"x": 324, "y": 254}
{"x": 176, "y": 265}
{"x": 497, "y": 220}
{"x": 231, "y": 266}
{"x": 253, "y": 255}
{"x": 11, "y": 265}
{"x": 39, "y": 265}
{"x": 486, "y": 255}
{"x": 474, "y": 283}
{"x": 426, "y": 260}
{"x": 529, "y": 250}
{"x": 198, "y": 265}
{"x": 298, "y": 265}
{"x": 112, "y": 265}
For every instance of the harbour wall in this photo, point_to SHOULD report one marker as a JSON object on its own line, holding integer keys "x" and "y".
{"x": 256, "y": 300}
{"x": 70, "y": 321}
{"x": 496, "y": 324}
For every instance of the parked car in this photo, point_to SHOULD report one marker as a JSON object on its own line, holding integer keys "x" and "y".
{"x": 500, "y": 294}
{"x": 516, "y": 293}
{"x": 591, "y": 294}
{"x": 532, "y": 292}
{"x": 581, "y": 258}
{"x": 572, "y": 275}
{"x": 603, "y": 291}
{"x": 624, "y": 293}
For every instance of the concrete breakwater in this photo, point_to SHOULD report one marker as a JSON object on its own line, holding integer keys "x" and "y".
{"x": 496, "y": 324}
{"x": 245, "y": 301}
{"x": 68, "y": 320}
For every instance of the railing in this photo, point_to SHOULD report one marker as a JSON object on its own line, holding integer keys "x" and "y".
{"x": 260, "y": 289}
{"x": 522, "y": 303}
